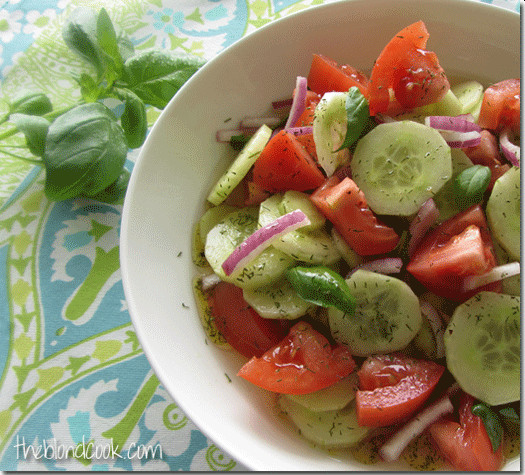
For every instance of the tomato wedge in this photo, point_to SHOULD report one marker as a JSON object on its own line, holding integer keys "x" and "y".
{"x": 456, "y": 249}
{"x": 406, "y": 69}
{"x": 326, "y": 75}
{"x": 392, "y": 387}
{"x": 242, "y": 327}
{"x": 285, "y": 164}
{"x": 303, "y": 362}
{"x": 501, "y": 106}
{"x": 344, "y": 204}
{"x": 466, "y": 445}
{"x": 307, "y": 117}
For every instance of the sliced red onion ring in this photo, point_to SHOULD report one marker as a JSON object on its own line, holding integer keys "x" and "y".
{"x": 436, "y": 324}
{"x": 256, "y": 122}
{"x": 307, "y": 129}
{"x": 392, "y": 449}
{"x": 494, "y": 275}
{"x": 282, "y": 104}
{"x": 509, "y": 148}
{"x": 209, "y": 281}
{"x": 386, "y": 265}
{"x": 425, "y": 218}
{"x": 458, "y": 132}
{"x": 299, "y": 101}
{"x": 257, "y": 242}
{"x": 225, "y": 135}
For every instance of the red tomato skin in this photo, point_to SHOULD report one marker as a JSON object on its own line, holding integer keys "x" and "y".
{"x": 466, "y": 445}
{"x": 456, "y": 249}
{"x": 500, "y": 107}
{"x": 326, "y": 75}
{"x": 407, "y": 69}
{"x": 487, "y": 153}
{"x": 344, "y": 204}
{"x": 303, "y": 362}
{"x": 393, "y": 387}
{"x": 284, "y": 164}
{"x": 242, "y": 327}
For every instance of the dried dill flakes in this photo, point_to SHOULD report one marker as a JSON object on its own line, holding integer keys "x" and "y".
{"x": 421, "y": 455}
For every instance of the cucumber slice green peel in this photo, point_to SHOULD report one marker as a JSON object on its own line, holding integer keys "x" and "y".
{"x": 482, "y": 347}
{"x": 399, "y": 165}
{"x": 322, "y": 286}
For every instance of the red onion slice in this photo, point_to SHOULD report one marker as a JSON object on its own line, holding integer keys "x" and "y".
{"x": 282, "y": 104}
{"x": 392, "y": 449}
{"x": 494, "y": 275}
{"x": 304, "y": 130}
{"x": 225, "y": 135}
{"x": 458, "y": 132}
{"x": 257, "y": 242}
{"x": 299, "y": 101}
{"x": 425, "y": 218}
{"x": 436, "y": 324}
{"x": 386, "y": 265}
{"x": 509, "y": 148}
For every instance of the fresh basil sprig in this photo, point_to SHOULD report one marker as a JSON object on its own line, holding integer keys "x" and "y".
{"x": 84, "y": 147}
{"x": 357, "y": 117}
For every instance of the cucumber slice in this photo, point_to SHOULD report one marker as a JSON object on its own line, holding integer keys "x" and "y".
{"x": 329, "y": 429}
{"x": 448, "y": 105}
{"x": 482, "y": 346}
{"x": 503, "y": 211}
{"x": 399, "y": 165}
{"x": 223, "y": 238}
{"x": 352, "y": 258}
{"x": 313, "y": 247}
{"x": 278, "y": 300}
{"x": 386, "y": 319}
{"x": 212, "y": 217}
{"x": 332, "y": 398}
{"x": 469, "y": 94}
{"x": 510, "y": 285}
{"x": 293, "y": 200}
{"x": 240, "y": 166}
{"x": 329, "y": 131}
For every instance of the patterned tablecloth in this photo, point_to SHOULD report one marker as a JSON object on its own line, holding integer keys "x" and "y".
{"x": 72, "y": 373}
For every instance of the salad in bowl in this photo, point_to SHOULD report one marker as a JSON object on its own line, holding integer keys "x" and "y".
{"x": 361, "y": 252}
{"x": 323, "y": 268}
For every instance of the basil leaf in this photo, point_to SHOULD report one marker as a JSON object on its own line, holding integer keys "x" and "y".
{"x": 31, "y": 103}
{"x": 89, "y": 89}
{"x": 34, "y": 129}
{"x": 80, "y": 35}
{"x": 133, "y": 120}
{"x": 125, "y": 46}
{"x": 109, "y": 48}
{"x": 116, "y": 191}
{"x": 491, "y": 422}
{"x": 155, "y": 76}
{"x": 85, "y": 152}
{"x": 357, "y": 116}
{"x": 471, "y": 184}
{"x": 322, "y": 286}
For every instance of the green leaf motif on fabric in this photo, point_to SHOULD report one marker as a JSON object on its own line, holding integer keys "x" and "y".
{"x": 105, "y": 350}
{"x": 105, "y": 264}
{"x": 21, "y": 374}
{"x": 32, "y": 203}
{"x": 23, "y": 346}
{"x": 98, "y": 229}
{"x": 21, "y": 263}
{"x": 25, "y": 319}
{"x": 217, "y": 461}
{"x": 196, "y": 16}
{"x": 20, "y": 291}
{"x": 48, "y": 377}
{"x": 21, "y": 242}
{"x": 5, "y": 420}
{"x": 132, "y": 339}
{"x": 22, "y": 399}
{"x": 75, "y": 363}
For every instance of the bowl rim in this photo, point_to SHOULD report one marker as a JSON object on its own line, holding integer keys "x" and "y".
{"x": 142, "y": 160}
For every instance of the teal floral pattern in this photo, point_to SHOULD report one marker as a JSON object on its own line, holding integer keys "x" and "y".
{"x": 76, "y": 391}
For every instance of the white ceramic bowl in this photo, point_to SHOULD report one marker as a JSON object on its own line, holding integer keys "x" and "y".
{"x": 181, "y": 160}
